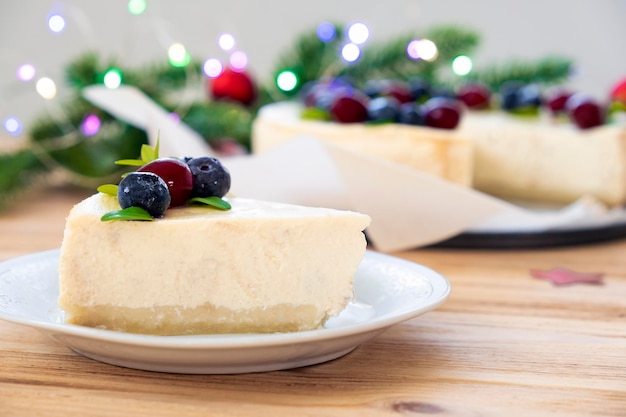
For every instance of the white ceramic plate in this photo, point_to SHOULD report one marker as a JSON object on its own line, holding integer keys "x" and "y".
{"x": 388, "y": 291}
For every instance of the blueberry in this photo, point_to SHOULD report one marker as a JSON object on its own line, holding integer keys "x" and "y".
{"x": 529, "y": 95}
{"x": 145, "y": 190}
{"x": 420, "y": 89}
{"x": 411, "y": 114}
{"x": 509, "y": 95}
{"x": 383, "y": 109}
{"x": 210, "y": 177}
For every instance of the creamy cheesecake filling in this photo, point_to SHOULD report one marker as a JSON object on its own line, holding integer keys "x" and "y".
{"x": 256, "y": 264}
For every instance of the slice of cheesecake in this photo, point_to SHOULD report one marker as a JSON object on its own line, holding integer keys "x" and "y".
{"x": 259, "y": 267}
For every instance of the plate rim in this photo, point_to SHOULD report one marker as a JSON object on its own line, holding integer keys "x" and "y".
{"x": 440, "y": 286}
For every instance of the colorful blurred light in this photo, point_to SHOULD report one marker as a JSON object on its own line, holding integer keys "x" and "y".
{"x": 326, "y": 31}
{"x": 358, "y": 33}
{"x": 212, "y": 67}
{"x": 137, "y": 7}
{"x": 12, "y": 125}
{"x": 287, "y": 80}
{"x": 350, "y": 52}
{"x": 422, "y": 49}
{"x": 462, "y": 65}
{"x": 26, "y": 72}
{"x": 238, "y": 60}
{"x": 56, "y": 23}
{"x": 90, "y": 125}
{"x": 226, "y": 41}
{"x": 178, "y": 56}
{"x": 112, "y": 78}
{"x": 46, "y": 88}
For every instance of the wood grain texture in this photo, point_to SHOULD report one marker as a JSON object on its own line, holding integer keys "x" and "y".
{"x": 504, "y": 344}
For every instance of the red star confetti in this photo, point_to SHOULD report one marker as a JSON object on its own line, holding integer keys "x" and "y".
{"x": 563, "y": 276}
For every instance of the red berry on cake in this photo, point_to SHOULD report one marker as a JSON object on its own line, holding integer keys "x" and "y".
{"x": 176, "y": 175}
{"x": 442, "y": 112}
{"x": 349, "y": 109}
{"x": 474, "y": 95}
{"x": 556, "y": 99}
{"x": 584, "y": 111}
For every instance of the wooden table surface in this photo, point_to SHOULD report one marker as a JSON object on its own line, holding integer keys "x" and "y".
{"x": 504, "y": 344}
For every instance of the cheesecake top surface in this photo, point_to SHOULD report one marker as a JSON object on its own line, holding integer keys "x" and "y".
{"x": 242, "y": 208}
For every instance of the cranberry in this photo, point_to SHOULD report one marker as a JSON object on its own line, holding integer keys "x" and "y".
{"x": 584, "y": 111}
{"x": 474, "y": 96}
{"x": 398, "y": 90}
{"x": 349, "y": 109}
{"x": 441, "y": 112}
{"x": 556, "y": 100}
{"x": 176, "y": 175}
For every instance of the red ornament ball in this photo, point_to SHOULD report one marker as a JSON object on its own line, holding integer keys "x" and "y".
{"x": 618, "y": 92}
{"x": 235, "y": 85}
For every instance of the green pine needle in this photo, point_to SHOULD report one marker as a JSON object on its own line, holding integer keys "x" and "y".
{"x": 18, "y": 171}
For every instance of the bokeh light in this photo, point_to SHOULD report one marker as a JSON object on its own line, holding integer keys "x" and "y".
{"x": 462, "y": 65}
{"x": 137, "y": 7}
{"x": 56, "y": 23}
{"x": 26, "y": 72}
{"x": 326, "y": 31}
{"x": 46, "y": 88}
{"x": 226, "y": 41}
{"x": 212, "y": 67}
{"x": 112, "y": 78}
{"x": 350, "y": 52}
{"x": 90, "y": 125}
{"x": 178, "y": 56}
{"x": 422, "y": 49}
{"x": 12, "y": 125}
{"x": 358, "y": 33}
{"x": 286, "y": 80}
{"x": 238, "y": 60}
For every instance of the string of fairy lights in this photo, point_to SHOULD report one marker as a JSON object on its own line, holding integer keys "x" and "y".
{"x": 356, "y": 36}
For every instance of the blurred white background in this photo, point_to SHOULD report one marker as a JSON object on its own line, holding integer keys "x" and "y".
{"x": 592, "y": 32}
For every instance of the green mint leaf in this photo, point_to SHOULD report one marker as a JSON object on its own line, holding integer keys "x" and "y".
{"x": 157, "y": 145}
{"x": 214, "y": 202}
{"x": 147, "y": 153}
{"x": 129, "y": 213}
{"x": 110, "y": 189}
{"x": 131, "y": 162}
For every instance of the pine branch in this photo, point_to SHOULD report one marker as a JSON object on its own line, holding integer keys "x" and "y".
{"x": 220, "y": 120}
{"x": 86, "y": 156}
{"x": 550, "y": 70}
{"x": 17, "y": 172}
{"x": 309, "y": 58}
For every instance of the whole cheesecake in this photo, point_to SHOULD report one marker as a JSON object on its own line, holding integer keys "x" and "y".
{"x": 512, "y": 157}
{"x": 259, "y": 267}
